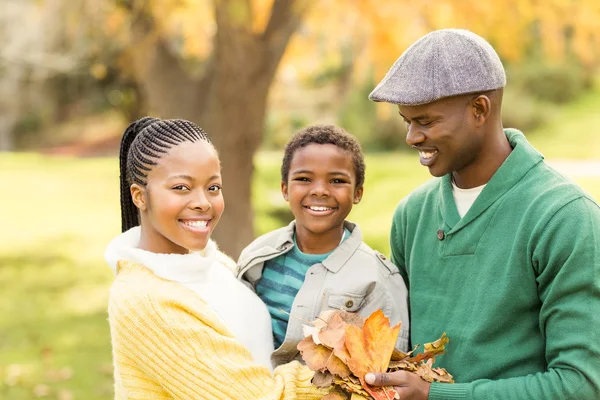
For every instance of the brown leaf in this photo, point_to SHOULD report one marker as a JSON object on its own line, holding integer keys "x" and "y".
{"x": 351, "y": 387}
{"x": 334, "y": 396}
{"x": 432, "y": 349}
{"x": 322, "y": 379}
{"x": 429, "y": 374}
{"x": 382, "y": 393}
{"x": 319, "y": 358}
{"x": 314, "y": 355}
{"x": 338, "y": 367}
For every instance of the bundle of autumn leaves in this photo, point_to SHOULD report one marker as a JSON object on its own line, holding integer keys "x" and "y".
{"x": 342, "y": 347}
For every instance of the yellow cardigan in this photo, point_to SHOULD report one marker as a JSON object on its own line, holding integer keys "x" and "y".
{"x": 169, "y": 344}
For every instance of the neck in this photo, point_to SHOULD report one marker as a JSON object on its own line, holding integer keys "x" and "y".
{"x": 318, "y": 243}
{"x": 491, "y": 157}
{"x": 155, "y": 243}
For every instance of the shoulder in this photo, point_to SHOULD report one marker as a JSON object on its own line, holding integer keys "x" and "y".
{"x": 366, "y": 256}
{"x": 549, "y": 191}
{"x": 137, "y": 296}
{"x": 269, "y": 240}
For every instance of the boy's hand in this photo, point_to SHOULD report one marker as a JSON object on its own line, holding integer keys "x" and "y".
{"x": 408, "y": 385}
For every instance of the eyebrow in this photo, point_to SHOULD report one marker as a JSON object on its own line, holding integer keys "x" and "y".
{"x": 306, "y": 171}
{"x": 189, "y": 178}
{"x": 418, "y": 117}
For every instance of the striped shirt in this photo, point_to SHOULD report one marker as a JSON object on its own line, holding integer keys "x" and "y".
{"x": 282, "y": 278}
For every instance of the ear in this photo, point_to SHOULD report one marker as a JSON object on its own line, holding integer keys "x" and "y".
{"x": 284, "y": 190}
{"x": 358, "y": 193}
{"x": 481, "y": 107}
{"x": 138, "y": 195}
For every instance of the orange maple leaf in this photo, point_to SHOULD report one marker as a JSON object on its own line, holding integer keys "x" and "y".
{"x": 371, "y": 347}
{"x": 370, "y": 350}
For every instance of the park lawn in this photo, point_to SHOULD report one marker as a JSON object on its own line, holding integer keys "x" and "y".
{"x": 573, "y": 132}
{"x": 58, "y": 215}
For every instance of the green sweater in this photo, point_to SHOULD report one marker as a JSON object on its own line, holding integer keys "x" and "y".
{"x": 515, "y": 283}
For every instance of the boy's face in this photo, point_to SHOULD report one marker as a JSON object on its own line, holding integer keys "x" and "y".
{"x": 321, "y": 188}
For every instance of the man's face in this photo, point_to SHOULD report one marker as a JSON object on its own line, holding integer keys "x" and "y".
{"x": 444, "y": 135}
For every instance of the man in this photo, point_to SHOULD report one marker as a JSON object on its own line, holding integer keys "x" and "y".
{"x": 501, "y": 252}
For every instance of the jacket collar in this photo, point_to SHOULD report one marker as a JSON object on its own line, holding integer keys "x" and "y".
{"x": 522, "y": 159}
{"x": 285, "y": 241}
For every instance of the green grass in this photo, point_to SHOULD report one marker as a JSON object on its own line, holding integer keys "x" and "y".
{"x": 57, "y": 216}
{"x": 573, "y": 132}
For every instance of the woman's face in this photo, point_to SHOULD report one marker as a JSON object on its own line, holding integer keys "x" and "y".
{"x": 182, "y": 201}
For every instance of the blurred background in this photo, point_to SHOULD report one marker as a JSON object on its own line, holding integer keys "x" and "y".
{"x": 74, "y": 73}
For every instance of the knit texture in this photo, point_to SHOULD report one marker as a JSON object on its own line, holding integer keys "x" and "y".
{"x": 443, "y": 63}
{"x": 515, "y": 283}
{"x": 209, "y": 276}
{"x": 169, "y": 344}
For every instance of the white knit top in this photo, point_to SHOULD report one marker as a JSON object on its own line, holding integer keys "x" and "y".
{"x": 210, "y": 275}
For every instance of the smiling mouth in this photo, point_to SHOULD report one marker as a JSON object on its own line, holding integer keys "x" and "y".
{"x": 320, "y": 209}
{"x": 195, "y": 225}
{"x": 427, "y": 154}
{"x": 427, "y": 157}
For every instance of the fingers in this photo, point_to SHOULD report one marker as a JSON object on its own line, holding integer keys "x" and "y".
{"x": 389, "y": 379}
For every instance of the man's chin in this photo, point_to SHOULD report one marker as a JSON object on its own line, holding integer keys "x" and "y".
{"x": 436, "y": 172}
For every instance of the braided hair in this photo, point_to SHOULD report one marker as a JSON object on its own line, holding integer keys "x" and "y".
{"x": 144, "y": 142}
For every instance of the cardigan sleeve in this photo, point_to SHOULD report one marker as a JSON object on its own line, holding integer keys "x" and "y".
{"x": 180, "y": 347}
{"x": 566, "y": 257}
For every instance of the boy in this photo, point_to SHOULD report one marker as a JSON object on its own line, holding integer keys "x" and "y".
{"x": 319, "y": 260}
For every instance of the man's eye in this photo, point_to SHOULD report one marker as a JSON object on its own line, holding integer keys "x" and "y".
{"x": 214, "y": 188}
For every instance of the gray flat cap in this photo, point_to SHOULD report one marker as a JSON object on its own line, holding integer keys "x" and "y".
{"x": 443, "y": 63}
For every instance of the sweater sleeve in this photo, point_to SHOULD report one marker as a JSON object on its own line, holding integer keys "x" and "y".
{"x": 181, "y": 348}
{"x": 566, "y": 257}
{"x": 397, "y": 244}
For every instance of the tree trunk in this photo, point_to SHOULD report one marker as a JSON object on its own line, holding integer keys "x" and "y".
{"x": 6, "y": 135}
{"x": 229, "y": 101}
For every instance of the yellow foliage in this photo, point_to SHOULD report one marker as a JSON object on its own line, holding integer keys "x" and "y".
{"x": 376, "y": 32}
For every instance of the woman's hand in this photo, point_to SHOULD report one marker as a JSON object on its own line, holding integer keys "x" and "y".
{"x": 409, "y": 386}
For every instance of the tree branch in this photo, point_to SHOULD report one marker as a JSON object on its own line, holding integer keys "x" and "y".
{"x": 286, "y": 16}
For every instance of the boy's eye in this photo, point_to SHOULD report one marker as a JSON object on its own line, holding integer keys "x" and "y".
{"x": 301, "y": 179}
{"x": 181, "y": 188}
{"x": 337, "y": 180}
{"x": 214, "y": 188}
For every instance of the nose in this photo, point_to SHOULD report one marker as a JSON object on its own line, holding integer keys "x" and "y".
{"x": 414, "y": 136}
{"x": 319, "y": 188}
{"x": 200, "y": 202}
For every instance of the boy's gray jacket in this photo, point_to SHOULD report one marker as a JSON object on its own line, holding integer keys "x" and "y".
{"x": 353, "y": 277}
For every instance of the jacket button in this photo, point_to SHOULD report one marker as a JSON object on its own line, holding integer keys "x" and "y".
{"x": 441, "y": 235}
{"x": 349, "y": 304}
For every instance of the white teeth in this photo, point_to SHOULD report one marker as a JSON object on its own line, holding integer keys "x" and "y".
{"x": 426, "y": 155}
{"x": 320, "y": 208}
{"x": 196, "y": 224}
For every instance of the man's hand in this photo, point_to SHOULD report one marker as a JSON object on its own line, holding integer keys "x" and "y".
{"x": 408, "y": 385}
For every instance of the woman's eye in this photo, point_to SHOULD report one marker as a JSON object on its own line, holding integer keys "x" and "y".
{"x": 181, "y": 188}
{"x": 214, "y": 188}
